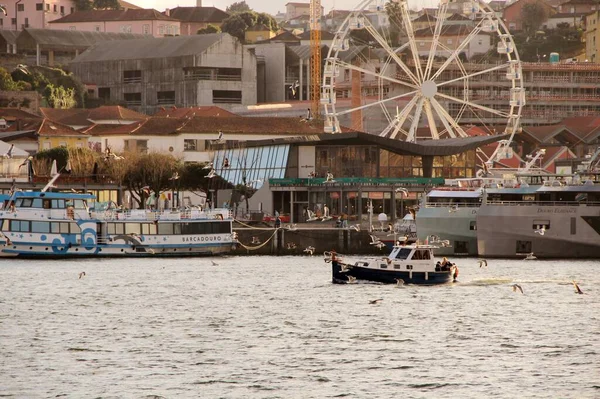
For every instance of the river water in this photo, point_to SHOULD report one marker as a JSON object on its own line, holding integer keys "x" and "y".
{"x": 275, "y": 327}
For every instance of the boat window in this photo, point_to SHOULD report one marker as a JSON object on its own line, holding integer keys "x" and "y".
{"x": 473, "y": 225}
{"x": 75, "y": 229}
{"x": 46, "y": 204}
{"x": 425, "y": 255}
{"x": 409, "y": 267}
{"x": 64, "y": 227}
{"x": 119, "y": 228}
{"x": 40, "y": 227}
{"x": 195, "y": 228}
{"x": 19, "y": 225}
{"x": 165, "y": 228}
{"x": 133, "y": 228}
{"x": 79, "y": 204}
{"x": 148, "y": 228}
{"x": 26, "y": 203}
{"x": 5, "y": 225}
{"x": 417, "y": 255}
{"x": 58, "y": 204}
{"x": 402, "y": 253}
{"x": 396, "y": 266}
{"x": 382, "y": 266}
{"x": 37, "y": 203}
{"x": 176, "y": 228}
{"x": 110, "y": 228}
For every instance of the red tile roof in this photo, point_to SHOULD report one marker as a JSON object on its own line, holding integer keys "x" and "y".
{"x": 164, "y": 126}
{"x": 11, "y": 114}
{"x": 45, "y": 127}
{"x": 130, "y": 14}
{"x": 85, "y": 116}
{"x": 210, "y": 110}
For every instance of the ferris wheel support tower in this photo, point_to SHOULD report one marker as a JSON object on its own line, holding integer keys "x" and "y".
{"x": 315, "y": 60}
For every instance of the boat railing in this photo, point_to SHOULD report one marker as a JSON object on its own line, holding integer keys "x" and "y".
{"x": 144, "y": 214}
{"x": 452, "y": 204}
{"x": 542, "y": 203}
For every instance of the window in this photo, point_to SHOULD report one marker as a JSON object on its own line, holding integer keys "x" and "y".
{"x": 136, "y": 145}
{"x": 47, "y": 7}
{"x": 47, "y": 145}
{"x": 125, "y": 28}
{"x": 473, "y": 225}
{"x": 40, "y": 227}
{"x": 133, "y": 99}
{"x": 190, "y": 145}
{"x": 26, "y": 24}
{"x": 54, "y": 8}
{"x": 62, "y": 10}
{"x": 165, "y": 97}
{"x": 13, "y": 21}
{"x": 146, "y": 29}
{"x": 39, "y": 6}
{"x": 227, "y": 97}
{"x": 104, "y": 93}
{"x": 97, "y": 28}
{"x": 20, "y": 7}
{"x": 132, "y": 76}
{"x": 161, "y": 30}
{"x": 72, "y": 10}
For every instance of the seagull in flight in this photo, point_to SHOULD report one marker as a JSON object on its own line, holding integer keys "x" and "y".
{"x": 255, "y": 240}
{"x": 291, "y": 227}
{"x": 26, "y": 161}
{"x": 211, "y": 174}
{"x": 209, "y": 165}
{"x": 375, "y": 301}
{"x": 516, "y": 287}
{"x": 309, "y": 250}
{"x": 577, "y": 289}
{"x": 9, "y": 153}
{"x": 329, "y": 178}
{"x": 482, "y": 262}
{"x": 374, "y": 240}
{"x": 355, "y": 227}
{"x": 402, "y": 191}
{"x": 541, "y": 231}
{"x": 380, "y": 245}
{"x": 351, "y": 279}
{"x": 175, "y": 176}
{"x": 81, "y": 275}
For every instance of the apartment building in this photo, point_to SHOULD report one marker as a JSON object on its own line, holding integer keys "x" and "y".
{"x": 34, "y": 14}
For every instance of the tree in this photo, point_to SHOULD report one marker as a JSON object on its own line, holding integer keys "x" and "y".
{"x": 83, "y": 5}
{"x": 210, "y": 28}
{"x": 107, "y": 5}
{"x": 236, "y": 26}
{"x": 532, "y": 17}
{"x": 268, "y": 21}
{"x": 238, "y": 6}
{"x": 59, "y": 97}
{"x": 6, "y": 81}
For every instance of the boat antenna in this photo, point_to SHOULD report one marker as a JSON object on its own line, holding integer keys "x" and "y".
{"x": 51, "y": 182}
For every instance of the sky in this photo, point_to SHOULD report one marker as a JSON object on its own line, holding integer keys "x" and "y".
{"x": 269, "y": 6}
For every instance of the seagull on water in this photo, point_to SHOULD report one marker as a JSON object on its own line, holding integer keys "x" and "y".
{"x": 351, "y": 279}
{"x": 399, "y": 282}
{"x": 291, "y": 245}
{"x": 375, "y": 301}
{"x": 482, "y": 262}
{"x": 531, "y": 256}
{"x": 214, "y": 263}
{"x": 516, "y": 287}
{"x": 309, "y": 250}
{"x": 81, "y": 275}
{"x": 577, "y": 289}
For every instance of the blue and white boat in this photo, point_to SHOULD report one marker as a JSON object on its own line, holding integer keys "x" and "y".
{"x": 40, "y": 224}
{"x": 406, "y": 264}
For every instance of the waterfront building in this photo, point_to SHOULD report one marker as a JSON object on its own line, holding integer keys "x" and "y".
{"x": 181, "y": 71}
{"x": 194, "y": 18}
{"x": 139, "y": 21}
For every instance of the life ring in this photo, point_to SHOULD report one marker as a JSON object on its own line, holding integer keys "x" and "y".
{"x": 219, "y": 216}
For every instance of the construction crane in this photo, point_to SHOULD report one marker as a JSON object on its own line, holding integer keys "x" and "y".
{"x": 315, "y": 61}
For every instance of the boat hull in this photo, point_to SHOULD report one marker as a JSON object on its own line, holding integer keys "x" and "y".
{"x": 509, "y": 231}
{"x": 458, "y": 227}
{"x": 388, "y": 276}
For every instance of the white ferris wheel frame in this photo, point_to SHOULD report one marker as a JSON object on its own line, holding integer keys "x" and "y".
{"x": 422, "y": 84}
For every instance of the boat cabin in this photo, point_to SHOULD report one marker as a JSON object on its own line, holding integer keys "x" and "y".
{"x": 418, "y": 252}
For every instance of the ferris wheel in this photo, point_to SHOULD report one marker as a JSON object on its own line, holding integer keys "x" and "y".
{"x": 451, "y": 73}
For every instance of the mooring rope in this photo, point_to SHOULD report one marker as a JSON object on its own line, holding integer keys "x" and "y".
{"x": 252, "y": 227}
{"x": 261, "y": 245}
